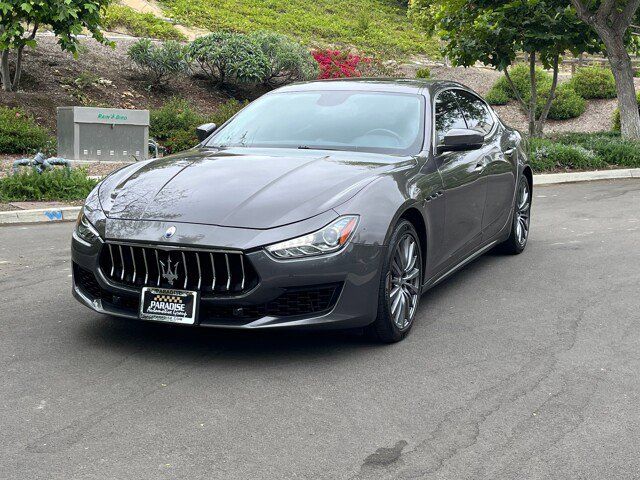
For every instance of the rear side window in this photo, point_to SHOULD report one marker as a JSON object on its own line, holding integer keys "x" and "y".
{"x": 448, "y": 115}
{"x": 475, "y": 112}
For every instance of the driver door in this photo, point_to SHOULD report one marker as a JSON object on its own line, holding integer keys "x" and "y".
{"x": 465, "y": 187}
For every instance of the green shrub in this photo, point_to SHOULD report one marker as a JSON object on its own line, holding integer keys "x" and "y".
{"x": 424, "y": 73}
{"x": 566, "y": 104}
{"x": 19, "y": 133}
{"x": 546, "y": 155}
{"x": 174, "y": 124}
{"x": 288, "y": 60}
{"x": 497, "y": 96}
{"x": 616, "y": 115}
{"x": 56, "y": 184}
{"x": 139, "y": 24}
{"x": 594, "y": 82}
{"x": 158, "y": 62}
{"x": 608, "y": 146}
{"x": 521, "y": 81}
{"x": 230, "y": 58}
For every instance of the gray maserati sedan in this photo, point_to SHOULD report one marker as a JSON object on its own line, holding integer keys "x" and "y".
{"x": 330, "y": 204}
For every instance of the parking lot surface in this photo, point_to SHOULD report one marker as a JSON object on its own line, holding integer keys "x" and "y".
{"x": 517, "y": 367}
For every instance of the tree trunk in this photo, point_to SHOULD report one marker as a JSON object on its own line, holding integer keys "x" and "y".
{"x": 623, "y": 74}
{"x": 534, "y": 94}
{"x": 5, "y": 71}
{"x": 552, "y": 93}
{"x": 18, "y": 73}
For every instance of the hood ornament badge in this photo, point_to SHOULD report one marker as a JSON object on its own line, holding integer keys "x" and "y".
{"x": 167, "y": 273}
{"x": 170, "y": 232}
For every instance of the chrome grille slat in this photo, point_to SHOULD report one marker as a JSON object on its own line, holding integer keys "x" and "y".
{"x": 186, "y": 272}
{"x": 243, "y": 276}
{"x": 226, "y": 259}
{"x": 133, "y": 260}
{"x": 121, "y": 259}
{"x": 199, "y": 271}
{"x": 158, "y": 265}
{"x": 146, "y": 266}
{"x": 113, "y": 264}
{"x": 211, "y": 272}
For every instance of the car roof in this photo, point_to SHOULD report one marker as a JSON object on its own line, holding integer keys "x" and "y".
{"x": 398, "y": 85}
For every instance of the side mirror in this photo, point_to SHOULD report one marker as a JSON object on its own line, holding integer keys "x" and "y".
{"x": 203, "y": 131}
{"x": 461, "y": 139}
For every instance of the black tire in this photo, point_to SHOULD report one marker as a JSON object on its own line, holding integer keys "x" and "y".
{"x": 385, "y": 328}
{"x": 521, "y": 221}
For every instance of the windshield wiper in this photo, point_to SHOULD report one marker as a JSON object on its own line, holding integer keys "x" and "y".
{"x": 319, "y": 147}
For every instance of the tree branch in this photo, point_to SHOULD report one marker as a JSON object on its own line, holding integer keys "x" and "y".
{"x": 583, "y": 11}
{"x": 605, "y": 10}
{"x": 623, "y": 19}
{"x": 515, "y": 90}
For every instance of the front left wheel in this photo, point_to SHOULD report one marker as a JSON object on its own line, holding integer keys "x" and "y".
{"x": 400, "y": 285}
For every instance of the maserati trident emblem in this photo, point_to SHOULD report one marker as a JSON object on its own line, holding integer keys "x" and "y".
{"x": 167, "y": 273}
{"x": 170, "y": 232}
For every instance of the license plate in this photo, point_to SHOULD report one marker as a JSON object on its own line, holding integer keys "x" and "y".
{"x": 165, "y": 305}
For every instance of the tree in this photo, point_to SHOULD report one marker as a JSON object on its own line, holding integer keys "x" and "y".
{"x": 611, "y": 20}
{"x": 21, "y": 19}
{"x": 493, "y": 32}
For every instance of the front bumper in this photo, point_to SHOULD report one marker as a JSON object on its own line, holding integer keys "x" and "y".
{"x": 351, "y": 279}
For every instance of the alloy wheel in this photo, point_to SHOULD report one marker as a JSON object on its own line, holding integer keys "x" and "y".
{"x": 523, "y": 212}
{"x": 403, "y": 282}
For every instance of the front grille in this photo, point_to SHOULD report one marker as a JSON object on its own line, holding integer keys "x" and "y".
{"x": 86, "y": 282}
{"x": 312, "y": 300}
{"x": 210, "y": 272}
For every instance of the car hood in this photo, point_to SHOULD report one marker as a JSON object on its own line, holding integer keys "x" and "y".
{"x": 247, "y": 188}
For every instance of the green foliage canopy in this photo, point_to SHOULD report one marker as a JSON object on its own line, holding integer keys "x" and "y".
{"x": 493, "y": 32}
{"x": 20, "y": 20}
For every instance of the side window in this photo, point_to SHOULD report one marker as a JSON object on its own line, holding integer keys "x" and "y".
{"x": 475, "y": 112}
{"x": 448, "y": 115}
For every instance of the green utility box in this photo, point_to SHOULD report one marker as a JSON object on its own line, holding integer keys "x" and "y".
{"x": 107, "y": 134}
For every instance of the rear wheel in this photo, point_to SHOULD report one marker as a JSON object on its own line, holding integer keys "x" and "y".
{"x": 517, "y": 240}
{"x": 400, "y": 285}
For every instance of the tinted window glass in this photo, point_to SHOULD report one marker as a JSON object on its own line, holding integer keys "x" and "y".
{"x": 448, "y": 115}
{"x": 334, "y": 120}
{"x": 475, "y": 111}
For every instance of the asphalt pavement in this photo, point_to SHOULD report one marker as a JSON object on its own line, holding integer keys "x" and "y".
{"x": 523, "y": 367}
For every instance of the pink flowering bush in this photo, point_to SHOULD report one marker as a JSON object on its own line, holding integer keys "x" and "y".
{"x": 337, "y": 64}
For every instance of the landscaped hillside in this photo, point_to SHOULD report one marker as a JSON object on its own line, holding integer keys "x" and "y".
{"x": 373, "y": 26}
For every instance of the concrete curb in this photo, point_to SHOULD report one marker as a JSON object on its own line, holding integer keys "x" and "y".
{"x": 49, "y": 215}
{"x": 554, "y": 178}
{"x": 68, "y": 214}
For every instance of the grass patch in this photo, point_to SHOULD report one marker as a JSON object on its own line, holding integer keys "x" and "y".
{"x": 60, "y": 184}
{"x": 372, "y": 26}
{"x": 19, "y": 133}
{"x": 140, "y": 24}
{"x": 584, "y": 151}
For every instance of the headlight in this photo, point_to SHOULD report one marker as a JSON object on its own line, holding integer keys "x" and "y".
{"x": 84, "y": 230}
{"x": 329, "y": 239}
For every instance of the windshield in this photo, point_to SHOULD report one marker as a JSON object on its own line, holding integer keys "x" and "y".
{"x": 329, "y": 120}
